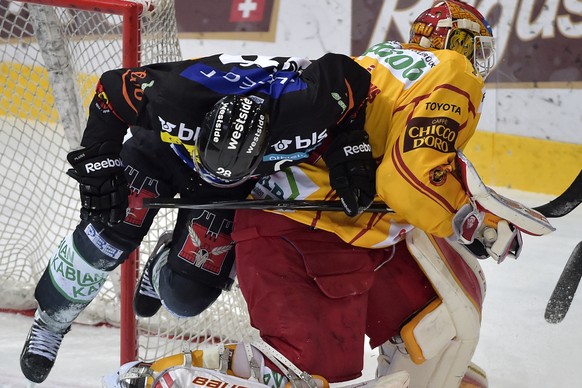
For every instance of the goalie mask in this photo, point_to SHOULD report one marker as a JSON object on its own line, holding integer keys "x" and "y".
{"x": 232, "y": 141}
{"x": 455, "y": 25}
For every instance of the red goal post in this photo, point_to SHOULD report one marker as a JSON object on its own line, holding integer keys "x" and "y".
{"x": 51, "y": 54}
{"x": 130, "y": 12}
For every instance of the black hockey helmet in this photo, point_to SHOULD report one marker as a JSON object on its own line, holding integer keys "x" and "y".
{"x": 232, "y": 140}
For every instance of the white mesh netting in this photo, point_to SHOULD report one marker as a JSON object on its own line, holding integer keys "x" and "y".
{"x": 50, "y": 60}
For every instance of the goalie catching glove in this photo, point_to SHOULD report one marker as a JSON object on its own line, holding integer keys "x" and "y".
{"x": 352, "y": 170}
{"x": 486, "y": 234}
{"x": 102, "y": 183}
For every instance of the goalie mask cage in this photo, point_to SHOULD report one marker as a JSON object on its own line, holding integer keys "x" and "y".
{"x": 52, "y": 53}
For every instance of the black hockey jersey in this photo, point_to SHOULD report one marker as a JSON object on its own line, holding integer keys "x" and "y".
{"x": 306, "y": 99}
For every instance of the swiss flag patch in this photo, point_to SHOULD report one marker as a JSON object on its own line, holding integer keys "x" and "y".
{"x": 247, "y": 11}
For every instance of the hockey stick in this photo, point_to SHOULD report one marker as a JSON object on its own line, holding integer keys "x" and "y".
{"x": 563, "y": 294}
{"x": 256, "y": 204}
{"x": 565, "y": 202}
{"x": 558, "y": 207}
{"x": 565, "y": 289}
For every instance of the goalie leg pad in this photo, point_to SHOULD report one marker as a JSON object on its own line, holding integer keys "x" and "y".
{"x": 428, "y": 333}
{"x": 475, "y": 377}
{"x": 460, "y": 285}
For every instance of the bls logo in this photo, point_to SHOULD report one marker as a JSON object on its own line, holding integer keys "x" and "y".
{"x": 282, "y": 145}
{"x": 183, "y": 133}
{"x": 301, "y": 143}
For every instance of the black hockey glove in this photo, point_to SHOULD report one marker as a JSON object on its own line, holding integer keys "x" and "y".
{"x": 352, "y": 171}
{"x": 102, "y": 183}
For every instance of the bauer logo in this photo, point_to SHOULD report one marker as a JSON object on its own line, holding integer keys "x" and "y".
{"x": 438, "y": 133}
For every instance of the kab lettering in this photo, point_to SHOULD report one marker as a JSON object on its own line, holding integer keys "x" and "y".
{"x": 86, "y": 284}
{"x": 71, "y": 273}
{"x": 64, "y": 253}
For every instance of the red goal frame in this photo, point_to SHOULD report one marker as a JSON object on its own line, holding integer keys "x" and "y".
{"x": 131, "y": 40}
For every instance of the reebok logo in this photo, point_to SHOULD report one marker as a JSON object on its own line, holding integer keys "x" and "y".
{"x": 357, "y": 149}
{"x": 104, "y": 164}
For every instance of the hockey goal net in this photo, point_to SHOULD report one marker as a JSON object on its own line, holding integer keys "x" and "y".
{"x": 52, "y": 53}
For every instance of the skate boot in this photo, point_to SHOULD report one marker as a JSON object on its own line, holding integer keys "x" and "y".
{"x": 40, "y": 350}
{"x": 146, "y": 301}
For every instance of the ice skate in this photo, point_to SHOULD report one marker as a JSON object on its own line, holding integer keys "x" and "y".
{"x": 146, "y": 301}
{"x": 40, "y": 350}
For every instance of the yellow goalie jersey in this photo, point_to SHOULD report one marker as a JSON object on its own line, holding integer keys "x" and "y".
{"x": 423, "y": 106}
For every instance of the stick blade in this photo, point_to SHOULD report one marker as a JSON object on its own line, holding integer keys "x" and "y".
{"x": 565, "y": 289}
{"x": 566, "y": 202}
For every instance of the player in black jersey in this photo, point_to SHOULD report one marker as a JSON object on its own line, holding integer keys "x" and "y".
{"x": 204, "y": 129}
